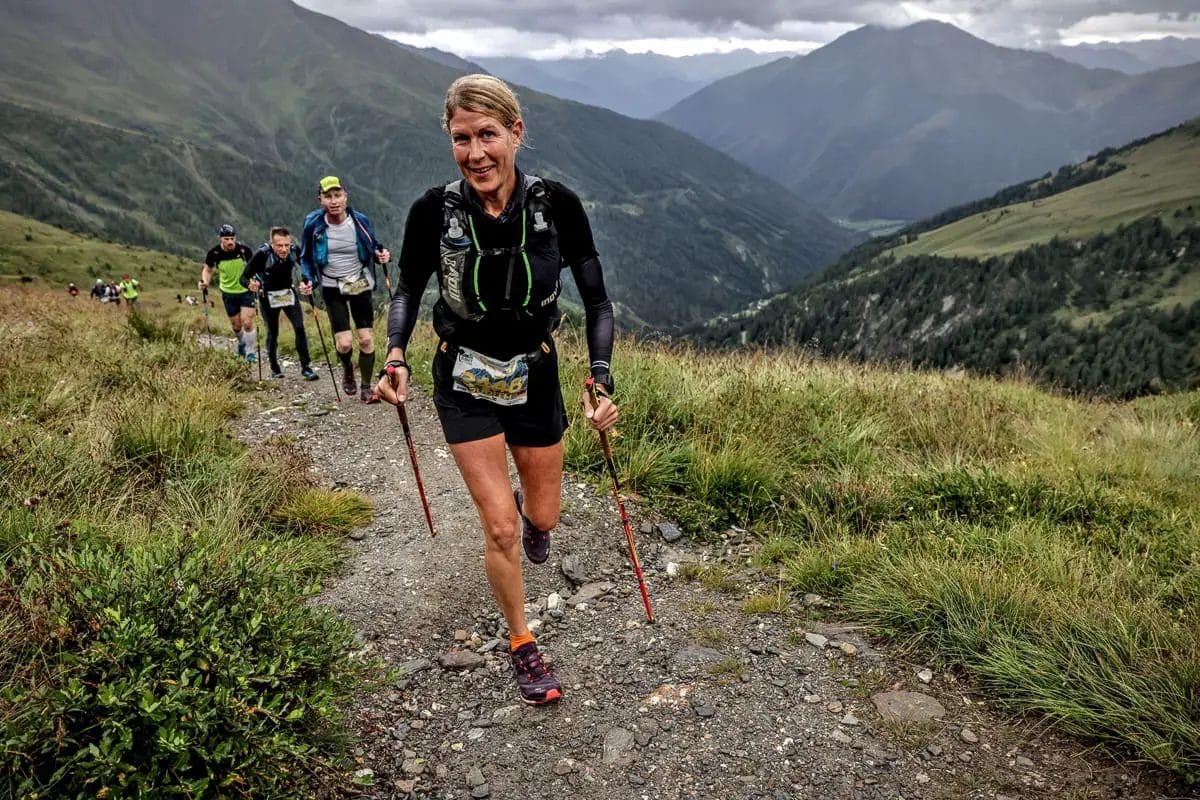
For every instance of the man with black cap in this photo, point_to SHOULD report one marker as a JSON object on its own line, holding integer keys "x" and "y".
{"x": 339, "y": 250}
{"x": 229, "y": 259}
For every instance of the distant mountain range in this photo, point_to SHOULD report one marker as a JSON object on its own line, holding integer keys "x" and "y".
{"x": 1088, "y": 279}
{"x": 899, "y": 124}
{"x": 154, "y": 121}
{"x": 1132, "y": 58}
{"x": 634, "y": 84}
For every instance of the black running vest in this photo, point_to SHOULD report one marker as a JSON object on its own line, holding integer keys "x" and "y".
{"x": 478, "y": 279}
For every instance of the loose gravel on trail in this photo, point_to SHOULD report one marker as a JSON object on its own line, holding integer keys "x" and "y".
{"x": 709, "y": 702}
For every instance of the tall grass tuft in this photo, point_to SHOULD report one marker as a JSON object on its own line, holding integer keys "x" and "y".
{"x": 157, "y": 636}
{"x": 1051, "y": 546}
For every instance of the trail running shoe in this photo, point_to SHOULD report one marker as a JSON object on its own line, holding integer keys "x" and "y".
{"x": 536, "y": 542}
{"x": 276, "y": 372}
{"x": 251, "y": 358}
{"x": 348, "y": 384}
{"x": 367, "y": 394}
{"x": 535, "y": 681}
{"x": 241, "y": 349}
{"x": 309, "y": 374}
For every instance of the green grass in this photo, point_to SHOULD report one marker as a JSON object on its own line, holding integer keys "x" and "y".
{"x": 1049, "y": 546}
{"x": 46, "y": 255}
{"x": 1161, "y": 177}
{"x": 157, "y": 635}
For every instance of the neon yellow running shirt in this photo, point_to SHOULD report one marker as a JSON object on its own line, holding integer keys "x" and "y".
{"x": 229, "y": 265}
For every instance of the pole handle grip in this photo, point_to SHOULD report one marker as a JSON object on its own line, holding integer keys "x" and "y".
{"x": 595, "y": 400}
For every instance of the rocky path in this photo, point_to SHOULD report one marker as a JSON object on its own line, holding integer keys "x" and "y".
{"x": 710, "y": 702}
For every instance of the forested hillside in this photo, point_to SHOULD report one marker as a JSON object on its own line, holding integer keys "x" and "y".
{"x": 1091, "y": 283}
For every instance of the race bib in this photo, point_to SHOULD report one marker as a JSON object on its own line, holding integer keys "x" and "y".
{"x": 505, "y": 383}
{"x": 353, "y": 286}
{"x": 281, "y": 298}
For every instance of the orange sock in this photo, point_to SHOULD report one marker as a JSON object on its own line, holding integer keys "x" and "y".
{"x": 516, "y": 641}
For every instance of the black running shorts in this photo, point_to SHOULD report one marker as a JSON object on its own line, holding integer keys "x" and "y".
{"x": 539, "y": 422}
{"x": 340, "y": 308}
{"x": 234, "y": 303}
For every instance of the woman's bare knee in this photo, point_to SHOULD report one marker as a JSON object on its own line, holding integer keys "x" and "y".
{"x": 502, "y": 536}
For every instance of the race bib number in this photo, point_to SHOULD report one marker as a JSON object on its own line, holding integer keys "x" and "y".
{"x": 353, "y": 286}
{"x": 505, "y": 383}
{"x": 281, "y": 298}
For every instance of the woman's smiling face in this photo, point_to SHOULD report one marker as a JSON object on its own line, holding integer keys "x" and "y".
{"x": 485, "y": 151}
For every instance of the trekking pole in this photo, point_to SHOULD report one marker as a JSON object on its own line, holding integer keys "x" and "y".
{"x": 412, "y": 456}
{"x": 258, "y": 343}
{"x": 312, "y": 302}
{"x": 207, "y": 332}
{"x": 612, "y": 471}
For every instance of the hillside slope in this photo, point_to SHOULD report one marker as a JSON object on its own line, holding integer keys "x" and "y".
{"x": 222, "y": 112}
{"x": 1095, "y": 288}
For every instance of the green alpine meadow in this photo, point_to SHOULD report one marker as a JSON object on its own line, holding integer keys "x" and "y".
{"x": 156, "y": 633}
{"x": 971, "y": 442}
{"x": 1047, "y": 546}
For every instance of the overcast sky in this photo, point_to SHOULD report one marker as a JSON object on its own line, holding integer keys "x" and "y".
{"x": 560, "y": 28}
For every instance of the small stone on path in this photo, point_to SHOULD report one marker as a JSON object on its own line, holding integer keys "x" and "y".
{"x": 669, "y": 532}
{"x": 507, "y": 715}
{"x": 816, "y": 640}
{"x": 590, "y": 592}
{"x": 617, "y": 742}
{"x": 461, "y": 660}
{"x": 969, "y": 736}
{"x": 696, "y": 656}
{"x": 925, "y": 675}
{"x": 410, "y": 668}
{"x": 913, "y": 707}
{"x": 572, "y": 569}
{"x": 475, "y": 778}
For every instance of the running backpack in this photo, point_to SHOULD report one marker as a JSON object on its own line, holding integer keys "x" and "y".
{"x": 461, "y": 257}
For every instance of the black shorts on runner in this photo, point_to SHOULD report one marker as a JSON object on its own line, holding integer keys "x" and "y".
{"x": 341, "y": 307}
{"x": 234, "y": 303}
{"x": 539, "y": 422}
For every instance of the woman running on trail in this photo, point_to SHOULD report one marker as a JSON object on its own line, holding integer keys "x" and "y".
{"x": 497, "y": 240}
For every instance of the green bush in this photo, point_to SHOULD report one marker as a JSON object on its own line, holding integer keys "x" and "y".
{"x": 176, "y": 669}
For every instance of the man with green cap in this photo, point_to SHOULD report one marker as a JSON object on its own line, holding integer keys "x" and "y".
{"x": 338, "y": 253}
{"x": 229, "y": 259}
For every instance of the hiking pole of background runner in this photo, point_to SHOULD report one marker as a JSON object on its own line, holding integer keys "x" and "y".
{"x": 412, "y": 456}
{"x": 207, "y": 332}
{"x": 612, "y": 471}
{"x": 257, "y": 336}
{"x": 312, "y": 301}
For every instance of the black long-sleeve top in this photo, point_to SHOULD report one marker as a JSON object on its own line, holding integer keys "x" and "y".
{"x": 502, "y": 334}
{"x": 271, "y": 271}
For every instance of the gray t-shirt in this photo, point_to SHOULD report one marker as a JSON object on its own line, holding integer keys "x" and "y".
{"x": 343, "y": 254}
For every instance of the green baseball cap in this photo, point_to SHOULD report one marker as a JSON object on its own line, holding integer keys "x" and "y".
{"x": 330, "y": 182}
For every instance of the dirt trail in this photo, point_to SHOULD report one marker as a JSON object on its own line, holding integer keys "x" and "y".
{"x": 711, "y": 702}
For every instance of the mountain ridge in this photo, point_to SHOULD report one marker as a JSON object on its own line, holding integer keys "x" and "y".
{"x": 290, "y": 95}
{"x": 899, "y": 124}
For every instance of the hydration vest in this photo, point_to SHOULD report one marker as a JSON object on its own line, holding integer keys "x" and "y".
{"x": 529, "y": 284}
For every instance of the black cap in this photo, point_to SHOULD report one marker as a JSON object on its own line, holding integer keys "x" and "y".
{"x": 227, "y": 230}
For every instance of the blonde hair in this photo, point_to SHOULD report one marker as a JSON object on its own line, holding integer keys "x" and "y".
{"x": 483, "y": 94}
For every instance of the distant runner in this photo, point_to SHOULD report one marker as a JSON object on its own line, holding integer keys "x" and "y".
{"x": 130, "y": 289}
{"x": 338, "y": 248}
{"x": 268, "y": 274}
{"x": 98, "y": 290}
{"x": 229, "y": 260}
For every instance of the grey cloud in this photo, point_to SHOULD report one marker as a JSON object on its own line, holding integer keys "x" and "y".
{"x": 1005, "y": 21}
